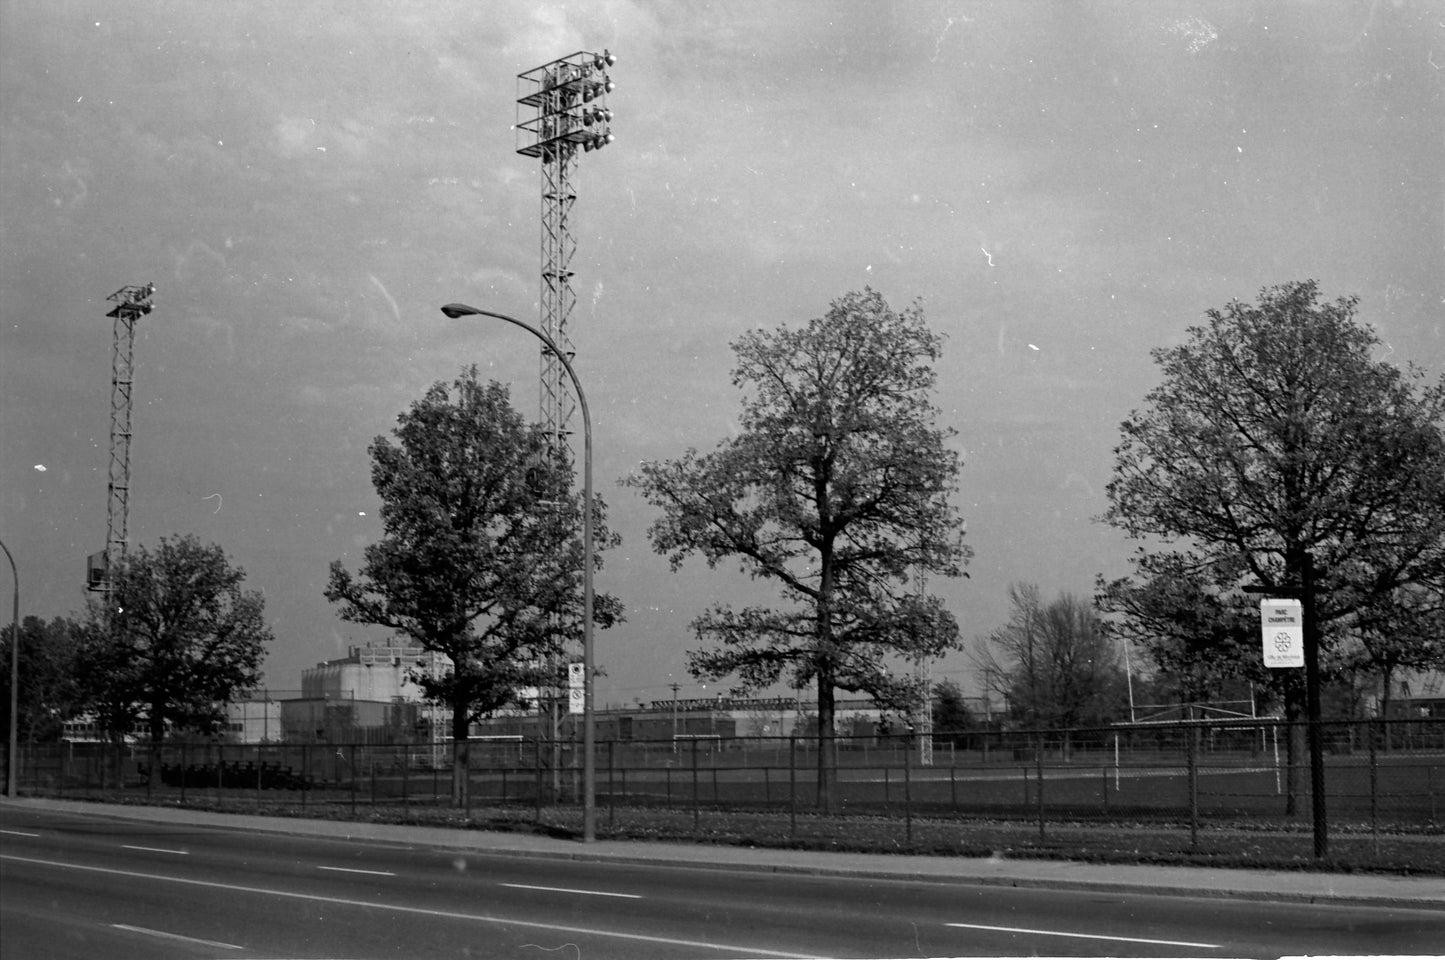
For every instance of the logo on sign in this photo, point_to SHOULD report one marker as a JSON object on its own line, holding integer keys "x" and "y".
{"x": 1282, "y": 633}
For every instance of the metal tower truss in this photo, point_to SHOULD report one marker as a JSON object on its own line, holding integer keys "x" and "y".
{"x": 561, "y": 109}
{"x": 558, "y": 299}
{"x": 922, "y": 673}
{"x": 131, "y": 303}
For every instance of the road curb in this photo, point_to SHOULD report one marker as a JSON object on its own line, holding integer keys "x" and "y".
{"x": 1025, "y": 883}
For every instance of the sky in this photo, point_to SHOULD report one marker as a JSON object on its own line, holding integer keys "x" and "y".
{"x": 1063, "y": 187}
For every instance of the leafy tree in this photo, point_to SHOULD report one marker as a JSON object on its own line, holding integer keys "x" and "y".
{"x": 835, "y": 489}
{"x": 48, "y": 692}
{"x": 951, "y": 716}
{"x": 1202, "y": 638}
{"x": 1053, "y": 662}
{"x": 481, "y": 559}
{"x": 1404, "y": 631}
{"x": 1278, "y": 450}
{"x": 179, "y": 640}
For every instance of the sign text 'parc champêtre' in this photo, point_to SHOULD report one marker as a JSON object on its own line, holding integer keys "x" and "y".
{"x": 1282, "y": 624}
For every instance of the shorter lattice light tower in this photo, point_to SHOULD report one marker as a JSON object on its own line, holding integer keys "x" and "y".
{"x": 131, "y": 303}
{"x": 922, "y": 675}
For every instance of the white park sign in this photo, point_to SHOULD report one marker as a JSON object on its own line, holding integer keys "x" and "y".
{"x": 1282, "y": 626}
{"x": 576, "y": 688}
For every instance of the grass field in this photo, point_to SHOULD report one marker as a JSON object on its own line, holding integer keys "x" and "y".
{"x": 1383, "y": 810}
{"x": 1278, "y": 845}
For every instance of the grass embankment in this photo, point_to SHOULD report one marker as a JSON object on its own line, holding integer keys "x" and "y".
{"x": 1253, "y": 845}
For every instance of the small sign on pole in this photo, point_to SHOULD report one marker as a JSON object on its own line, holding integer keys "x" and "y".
{"x": 576, "y": 688}
{"x": 1282, "y": 628}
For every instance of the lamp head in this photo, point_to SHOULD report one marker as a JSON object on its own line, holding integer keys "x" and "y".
{"x": 455, "y": 310}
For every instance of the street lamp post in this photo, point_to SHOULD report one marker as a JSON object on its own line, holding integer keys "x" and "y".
{"x": 589, "y": 765}
{"x": 12, "y": 760}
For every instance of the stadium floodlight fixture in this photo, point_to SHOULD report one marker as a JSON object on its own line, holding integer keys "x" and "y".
{"x": 559, "y": 101}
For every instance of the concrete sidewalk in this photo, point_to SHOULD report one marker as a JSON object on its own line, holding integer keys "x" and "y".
{"x": 1277, "y": 885}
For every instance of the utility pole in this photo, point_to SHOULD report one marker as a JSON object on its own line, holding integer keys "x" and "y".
{"x": 12, "y": 757}
{"x": 674, "y": 716}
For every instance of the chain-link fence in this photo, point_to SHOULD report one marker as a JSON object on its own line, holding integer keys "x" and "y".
{"x": 1377, "y": 774}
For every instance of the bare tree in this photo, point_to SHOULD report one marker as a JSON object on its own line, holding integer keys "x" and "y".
{"x": 1053, "y": 663}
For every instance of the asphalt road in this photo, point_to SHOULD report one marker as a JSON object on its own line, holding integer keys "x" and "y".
{"x": 87, "y": 886}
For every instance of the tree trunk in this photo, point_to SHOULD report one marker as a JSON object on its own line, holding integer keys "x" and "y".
{"x": 1387, "y": 675}
{"x": 461, "y": 783}
{"x": 158, "y": 733}
{"x": 1294, "y": 744}
{"x": 827, "y": 758}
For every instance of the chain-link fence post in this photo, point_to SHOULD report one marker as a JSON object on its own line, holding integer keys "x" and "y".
{"x": 793, "y": 787}
{"x": 696, "y": 813}
{"x": 1039, "y": 762}
{"x": 1374, "y": 788}
{"x": 467, "y": 777}
{"x": 908, "y": 790}
{"x": 537, "y": 796}
{"x": 1191, "y": 738}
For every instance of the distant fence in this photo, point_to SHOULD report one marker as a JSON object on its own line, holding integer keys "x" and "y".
{"x": 1378, "y": 773}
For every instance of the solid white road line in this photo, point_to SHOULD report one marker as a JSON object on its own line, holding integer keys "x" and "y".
{"x": 179, "y": 853}
{"x": 176, "y": 936}
{"x": 418, "y": 911}
{"x": 589, "y": 893}
{"x": 1085, "y": 936}
{"x": 19, "y": 833}
{"x": 374, "y": 873}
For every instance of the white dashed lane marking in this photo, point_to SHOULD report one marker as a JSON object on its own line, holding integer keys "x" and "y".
{"x": 586, "y": 893}
{"x": 176, "y": 936}
{"x": 1084, "y": 936}
{"x": 371, "y": 873}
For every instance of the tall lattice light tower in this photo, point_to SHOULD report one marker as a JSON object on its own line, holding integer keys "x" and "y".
{"x": 561, "y": 111}
{"x": 131, "y": 303}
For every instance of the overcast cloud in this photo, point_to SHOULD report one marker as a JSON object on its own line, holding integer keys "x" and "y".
{"x": 1064, "y": 186}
